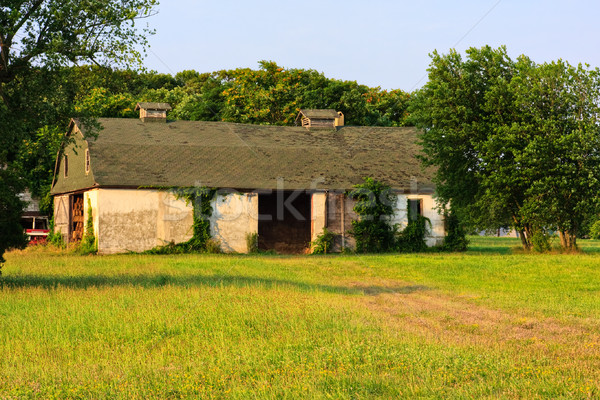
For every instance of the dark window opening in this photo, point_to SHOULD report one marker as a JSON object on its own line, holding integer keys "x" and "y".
{"x": 415, "y": 208}
{"x": 27, "y": 222}
{"x": 284, "y": 223}
{"x": 87, "y": 161}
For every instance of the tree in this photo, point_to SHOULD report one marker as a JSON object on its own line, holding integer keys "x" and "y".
{"x": 560, "y": 105}
{"x": 37, "y": 37}
{"x": 70, "y": 31}
{"x": 515, "y": 144}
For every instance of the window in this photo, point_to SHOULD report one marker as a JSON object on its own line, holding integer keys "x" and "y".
{"x": 415, "y": 208}
{"x": 66, "y": 166}
{"x": 87, "y": 161}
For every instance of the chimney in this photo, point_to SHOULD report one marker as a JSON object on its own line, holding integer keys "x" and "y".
{"x": 153, "y": 112}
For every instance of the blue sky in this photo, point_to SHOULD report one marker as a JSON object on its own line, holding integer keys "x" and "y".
{"x": 378, "y": 42}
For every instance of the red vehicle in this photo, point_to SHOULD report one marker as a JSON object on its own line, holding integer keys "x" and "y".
{"x": 36, "y": 228}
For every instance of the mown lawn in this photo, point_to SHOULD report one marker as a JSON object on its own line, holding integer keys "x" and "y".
{"x": 491, "y": 323}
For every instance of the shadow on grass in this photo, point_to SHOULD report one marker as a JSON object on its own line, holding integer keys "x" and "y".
{"x": 188, "y": 281}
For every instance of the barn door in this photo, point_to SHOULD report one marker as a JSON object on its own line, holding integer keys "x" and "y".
{"x": 76, "y": 217}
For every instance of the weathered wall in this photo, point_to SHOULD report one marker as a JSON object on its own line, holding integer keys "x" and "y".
{"x": 340, "y": 214}
{"x": 318, "y": 214}
{"x": 127, "y": 220}
{"x": 234, "y": 216}
{"x": 61, "y": 215}
{"x": 175, "y": 219}
{"x": 140, "y": 219}
{"x": 435, "y": 232}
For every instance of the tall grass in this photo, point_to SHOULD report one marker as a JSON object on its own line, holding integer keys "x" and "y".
{"x": 492, "y": 322}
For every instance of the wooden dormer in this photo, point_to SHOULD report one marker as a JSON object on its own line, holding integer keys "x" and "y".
{"x": 314, "y": 118}
{"x": 153, "y": 112}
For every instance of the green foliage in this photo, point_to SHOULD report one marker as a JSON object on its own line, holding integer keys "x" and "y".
{"x": 72, "y": 31}
{"x": 252, "y": 242}
{"x": 514, "y": 143}
{"x": 54, "y": 238}
{"x": 595, "y": 230}
{"x": 323, "y": 243}
{"x": 456, "y": 239}
{"x": 412, "y": 238}
{"x": 100, "y": 102}
{"x": 36, "y": 160}
{"x": 11, "y": 206}
{"x": 39, "y": 39}
{"x": 213, "y": 246}
{"x": 88, "y": 243}
{"x": 372, "y": 230}
{"x": 540, "y": 242}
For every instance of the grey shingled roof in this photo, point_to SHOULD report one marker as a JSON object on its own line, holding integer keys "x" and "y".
{"x": 319, "y": 114}
{"x": 154, "y": 106}
{"x": 129, "y": 152}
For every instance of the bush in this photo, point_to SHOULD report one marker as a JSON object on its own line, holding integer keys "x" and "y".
{"x": 540, "y": 242}
{"x": 323, "y": 243}
{"x": 412, "y": 238}
{"x": 595, "y": 230}
{"x": 54, "y": 238}
{"x": 213, "y": 246}
{"x": 455, "y": 239}
{"x": 372, "y": 230}
{"x": 252, "y": 243}
{"x": 88, "y": 242}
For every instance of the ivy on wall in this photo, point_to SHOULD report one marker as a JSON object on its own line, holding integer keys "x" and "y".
{"x": 373, "y": 231}
{"x": 201, "y": 240}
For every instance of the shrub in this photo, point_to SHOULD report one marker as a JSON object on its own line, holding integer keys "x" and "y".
{"x": 595, "y": 230}
{"x": 412, "y": 238}
{"x": 252, "y": 242}
{"x": 372, "y": 230}
{"x": 540, "y": 242}
{"x": 455, "y": 239}
{"x": 323, "y": 243}
{"x": 213, "y": 246}
{"x": 54, "y": 238}
{"x": 88, "y": 242}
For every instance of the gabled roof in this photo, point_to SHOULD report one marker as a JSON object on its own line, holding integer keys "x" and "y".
{"x": 319, "y": 114}
{"x": 131, "y": 153}
{"x": 153, "y": 106}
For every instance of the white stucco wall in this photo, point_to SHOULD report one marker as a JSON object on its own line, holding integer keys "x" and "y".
{"x": 174, "y": 219}
{"x": 234, "y": 216}
{"x": 140, "y": 219}
{"x": 318, "y": 214}
{"x": 435, "y": 232}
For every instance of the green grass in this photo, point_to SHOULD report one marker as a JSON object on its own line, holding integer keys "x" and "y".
{"x": 490, "y": 323}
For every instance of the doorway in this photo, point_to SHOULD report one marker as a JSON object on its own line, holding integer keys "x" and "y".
{"x": 284, "y": 223}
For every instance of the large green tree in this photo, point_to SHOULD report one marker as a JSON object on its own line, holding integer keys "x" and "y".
{"x": 37, "y": 39}
{"x": 515, "y": 144}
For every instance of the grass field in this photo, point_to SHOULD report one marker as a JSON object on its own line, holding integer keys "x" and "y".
{"x": 490, "y": 323}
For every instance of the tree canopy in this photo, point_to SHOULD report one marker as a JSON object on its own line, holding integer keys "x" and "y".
{"x": 515, "y": 143}
{"x": 38, "y": 40}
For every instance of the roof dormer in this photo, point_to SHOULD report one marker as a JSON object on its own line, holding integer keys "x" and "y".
{"x": 314, "y": 118}
{"x": 153, "y": 112}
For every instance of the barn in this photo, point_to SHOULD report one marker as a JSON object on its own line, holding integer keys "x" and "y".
{"x": 283, "y": 183}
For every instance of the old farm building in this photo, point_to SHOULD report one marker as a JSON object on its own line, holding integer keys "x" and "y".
{"x": 284, "y": 183}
